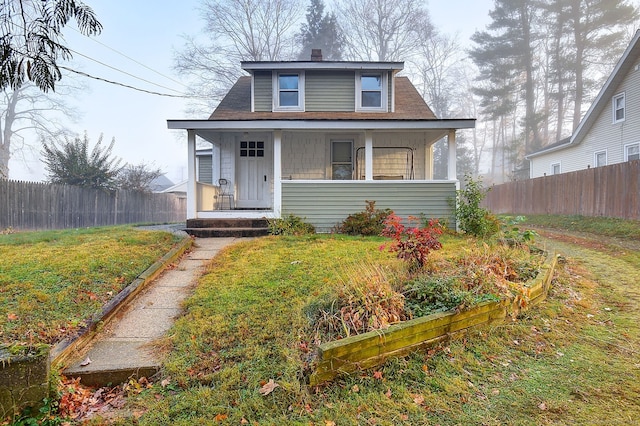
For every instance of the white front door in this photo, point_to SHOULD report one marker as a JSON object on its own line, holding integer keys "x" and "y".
{"x": 253, "y": 173}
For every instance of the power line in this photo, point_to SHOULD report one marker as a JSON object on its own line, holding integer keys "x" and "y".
{"x": 128, "y": 86}
{"x": 130, "y": 58}
{"x": 123, "y": 72}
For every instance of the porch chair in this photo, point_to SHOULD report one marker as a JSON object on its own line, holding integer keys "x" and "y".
{"x": 224, "y": 192}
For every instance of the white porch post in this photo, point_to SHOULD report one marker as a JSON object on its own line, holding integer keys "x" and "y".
{"x": 191, "y": 174}
{"x": 277, "y": 172}
{"x": 368, "y": 155}
{"x": 216, "y": 164}
{"x": 451, "y": 139}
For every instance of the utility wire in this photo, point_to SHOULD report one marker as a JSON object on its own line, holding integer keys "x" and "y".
{"x": 130, "y": 58}
{"x": 128, "y": 86}
{"x": 123, "y": 72}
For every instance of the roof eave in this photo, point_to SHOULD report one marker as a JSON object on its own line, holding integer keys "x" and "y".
{"x": 320, "y": 65}
{"x": 244, "y": 125}
{"x": 603, "y": 96}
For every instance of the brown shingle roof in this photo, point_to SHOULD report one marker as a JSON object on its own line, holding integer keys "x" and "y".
{"x": 236, "y": 105}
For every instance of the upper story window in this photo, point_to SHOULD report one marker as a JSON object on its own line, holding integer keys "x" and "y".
{"x": 371, "y": 91}
{"x": 632, "y": 152}
{"x": 600, "y": 159}
{"x": 618, "y": 108}
{"x": 288, "y": 91}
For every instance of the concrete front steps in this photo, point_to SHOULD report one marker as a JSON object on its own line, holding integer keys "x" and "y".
{"x": 223, "y": 228}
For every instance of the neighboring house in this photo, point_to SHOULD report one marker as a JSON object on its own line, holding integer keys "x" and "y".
{"x": 160, "y": 183}
{"x": 609, "y": 132}
{"x": 318, "y": 138}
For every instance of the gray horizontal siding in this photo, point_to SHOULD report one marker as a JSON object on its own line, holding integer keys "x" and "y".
{"x": 330, "y": 90}
{"x": 325, "y": 204}
{"x": 263, "y": 91}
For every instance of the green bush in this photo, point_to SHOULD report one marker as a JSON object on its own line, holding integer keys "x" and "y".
{"x": 426, "y": 295}
{"x": 369, "y": 222}
{"x": 472, "y": 218}
{"x": 290, "y": 225}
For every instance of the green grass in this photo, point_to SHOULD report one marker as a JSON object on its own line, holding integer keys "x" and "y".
{"x": 560, "y": 363}
{"x": 607, "y": 226}
{"x": 52, "y": 282}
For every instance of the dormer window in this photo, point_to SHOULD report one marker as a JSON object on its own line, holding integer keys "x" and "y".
{"x": 371, "y": 91}
{"x": 288, "y": 91}
{"x": 618, "y": 108}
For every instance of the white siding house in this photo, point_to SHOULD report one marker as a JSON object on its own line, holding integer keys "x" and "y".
{"x": 609, "y": 132}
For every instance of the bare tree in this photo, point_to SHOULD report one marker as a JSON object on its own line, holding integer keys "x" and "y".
{"x": 138, "y": 177}
{"x": 384, "y": 30}
{"x": 28, "y": 115}
{"x": 237, "y": 30}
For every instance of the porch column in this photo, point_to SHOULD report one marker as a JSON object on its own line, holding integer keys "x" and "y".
{"x": 191, "y": 174}
{"x": 451, "y": 139}
{"x": 216, "y": 164}
{"x": 277, "y": 172}
{"x": 368, "y": 155}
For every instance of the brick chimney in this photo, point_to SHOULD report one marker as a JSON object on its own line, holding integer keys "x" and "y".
{"x": 316, "y": 54}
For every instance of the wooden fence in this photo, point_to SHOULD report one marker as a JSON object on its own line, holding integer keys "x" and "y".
{"x": 610, "y": 191}
{"x": 30, "y": 205}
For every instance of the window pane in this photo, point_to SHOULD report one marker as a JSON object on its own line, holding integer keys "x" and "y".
{"x": 288, "y": 82}
{"x": 555, "y": 169}
{"x": 371, "y": 82}
{"x": 371, "y": 99}
{"x": 341, "y": 152}
{"x": 620, "y": 114}
{"x": 601, "y": 159}
{"x": 288, "y": 98}
{"x": 341, "y": 172}
{"x": 633, "y": 152}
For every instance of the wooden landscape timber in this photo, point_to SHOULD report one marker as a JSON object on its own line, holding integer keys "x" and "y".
{"x": 375, "y": 347}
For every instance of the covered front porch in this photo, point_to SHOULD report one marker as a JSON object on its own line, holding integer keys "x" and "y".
{"x": 320, "y": 171}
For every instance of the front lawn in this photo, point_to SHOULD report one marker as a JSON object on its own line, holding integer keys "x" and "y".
{"x": 51, "y": 282}
{"x": 248, "y": 327}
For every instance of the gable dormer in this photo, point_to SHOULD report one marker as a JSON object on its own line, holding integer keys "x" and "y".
{"x": 322, "y": 86}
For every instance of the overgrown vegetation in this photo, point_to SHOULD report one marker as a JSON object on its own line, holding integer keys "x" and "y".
{"x": 472, "y": 218}
{"x": 246, "y": 325}
{"x": 369, "y": 222}
{"x": 290, "y": 225}
{"x": 51, "y": 282}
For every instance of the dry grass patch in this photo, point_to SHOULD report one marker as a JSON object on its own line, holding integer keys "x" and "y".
{"x": 52, "y": 282}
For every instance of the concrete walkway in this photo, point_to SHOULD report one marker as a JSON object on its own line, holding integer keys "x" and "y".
{"x": 124, "y": 348}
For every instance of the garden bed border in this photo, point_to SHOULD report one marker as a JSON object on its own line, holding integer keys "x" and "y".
{"x": 68, "y": 348}
{"x": 371, "y": 349}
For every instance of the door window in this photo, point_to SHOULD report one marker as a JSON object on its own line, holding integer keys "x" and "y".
{"x": 341, "y": 160}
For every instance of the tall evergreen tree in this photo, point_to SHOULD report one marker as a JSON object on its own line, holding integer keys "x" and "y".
{"x": 321, "y": 31}
{"x": 598, "y": 36}
{"x": 505, "y": 55}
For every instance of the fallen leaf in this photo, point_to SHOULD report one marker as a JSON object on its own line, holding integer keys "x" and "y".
{"x": 495, "y": 392}
{"x": 220, "y": 417}
{"x": 329, "y": 423}
{"x": 418, "y": 399}
{"x": 12, "y": 317}
{"x": 165, "y": 382}
{"x": 542, "y": 406}
{"x": 388, "y": 393}
{"x": 377, "y": 375}
{"x": 268, "y": 387}
{"x": 86, "y": 362}
{"x": 244, "y": 421}
{"x": 355, "y": 389}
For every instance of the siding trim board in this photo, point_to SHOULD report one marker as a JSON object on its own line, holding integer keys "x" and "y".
{"x": 327, "y": 203}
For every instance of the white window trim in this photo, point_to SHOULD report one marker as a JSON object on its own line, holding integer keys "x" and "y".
{"x": 613, "y": 107}
{"x": 559, "y": 168}
{"x": 595, "y": 157}
{"x": 626, "y": 149}
{"x": 276, "y": 91}
{"x": 384, "y": 93}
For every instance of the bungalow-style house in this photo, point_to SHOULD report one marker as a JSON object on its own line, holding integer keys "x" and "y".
{"x": 609, "y": 132}
{"x": 316, "y": 139}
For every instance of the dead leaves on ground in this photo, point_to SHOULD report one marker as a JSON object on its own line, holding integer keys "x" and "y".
{"x": 268, "y": 387}
{"x": 79, "y": 402}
